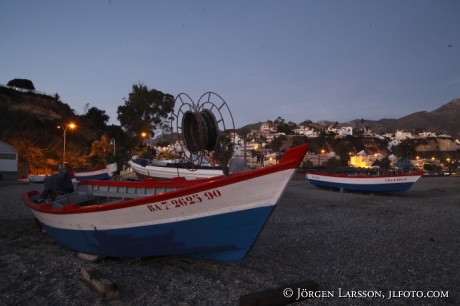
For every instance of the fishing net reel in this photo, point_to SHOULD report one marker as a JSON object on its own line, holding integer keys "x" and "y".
{"x": 404, "y": 164}
{"x": 204, "y": 130}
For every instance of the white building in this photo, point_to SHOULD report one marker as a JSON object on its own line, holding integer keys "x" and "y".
{"x": 265, "y": 127}
{"x": 8, "y": 162}
{"x": 345, "y": 131}
{"x": 300, "y": 129}
{"x": 401, "y": 135}
{"x": 427, "y": 134}
{"x": 311, "y": 133}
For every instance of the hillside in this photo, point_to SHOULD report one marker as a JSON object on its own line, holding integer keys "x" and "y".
{"x": 443, "y": 120}
{"x": 41, "y": 106}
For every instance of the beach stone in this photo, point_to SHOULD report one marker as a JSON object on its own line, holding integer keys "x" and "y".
{"x": 105, "y": 287}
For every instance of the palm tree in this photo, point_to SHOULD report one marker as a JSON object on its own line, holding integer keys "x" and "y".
{"x": 245, "y": 134}
{"x": 260, "y": 139}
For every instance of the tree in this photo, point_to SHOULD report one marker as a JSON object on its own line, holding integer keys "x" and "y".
{"x": 306, "y": 122}
{"x": 260, "y": 139}
{"x": 279, "y": 155}
{"x": 277, "y": 142}
{"x": 245, "y": 134}
{"x": 284, "y": 128}
{"x": 21, "y": 83}
{"x": 307, "y": 163}
{"x": 145, "y": 111}
{"x": 279, "y": 120}
{"x": 299, "y": 140}
{"x": 332, "y": 162}
{"x": 101, "y": 148}
{"x": 385, "y": 163}
{"x": 224, "y": 151}
{"x": 342, "y": 150}
{"x": 96, "y": 119}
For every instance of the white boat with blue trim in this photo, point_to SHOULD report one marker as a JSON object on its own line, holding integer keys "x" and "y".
{"x": 384, "y": 183}
{"x": 218, "y": 218}
{"x": 165, "y": 171}
{"x": 99, "y": 173}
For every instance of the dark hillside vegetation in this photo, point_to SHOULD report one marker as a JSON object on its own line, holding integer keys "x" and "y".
{"x": 34, "y": 125}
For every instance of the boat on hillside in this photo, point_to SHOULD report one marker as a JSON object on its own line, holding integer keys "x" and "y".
{"x": 100, "y": 173}
{"x": 218, "y": 218}
{"x": 384, "y": 182}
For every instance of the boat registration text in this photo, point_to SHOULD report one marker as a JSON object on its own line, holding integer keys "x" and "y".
{"x": 184, "y": 201}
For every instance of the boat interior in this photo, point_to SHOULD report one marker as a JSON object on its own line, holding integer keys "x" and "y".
{"x": 96, "y": 194}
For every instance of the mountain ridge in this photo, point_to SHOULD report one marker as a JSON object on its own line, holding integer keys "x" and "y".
{"x": 443, "y": 120}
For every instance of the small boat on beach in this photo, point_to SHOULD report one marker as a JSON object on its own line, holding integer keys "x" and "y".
{"x": 36, "y": 179}
{"x": 217, "y": 218}
{"x": 100, "y": 173}
{"x": 371, "y": 182}
{"x": 167, "y": 170}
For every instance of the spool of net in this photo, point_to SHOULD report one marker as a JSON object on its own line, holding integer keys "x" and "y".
{"x": 199, "y": 131}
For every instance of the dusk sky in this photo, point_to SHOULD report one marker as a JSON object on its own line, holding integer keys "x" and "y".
{"x": 317, "y": 60}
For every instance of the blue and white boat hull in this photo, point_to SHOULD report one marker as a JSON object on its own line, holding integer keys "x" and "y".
{"x": 386, "y": 184}
{"x": 103, "y": 173}
{"x": 217, "y": 218}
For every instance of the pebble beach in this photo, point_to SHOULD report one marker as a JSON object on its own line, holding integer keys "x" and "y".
{"x": 397, "y": 250}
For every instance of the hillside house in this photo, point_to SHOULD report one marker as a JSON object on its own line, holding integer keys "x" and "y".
{"x": 363, "y": 160}
{"x": 265, "y": 127}
{"x": 300, "y": 130}
{"x": 427, "y": 134}
{"x": 311, "y": 133}
{"x": 401, "y": 135}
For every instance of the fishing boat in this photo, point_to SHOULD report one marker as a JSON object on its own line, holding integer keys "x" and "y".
{"x": 100, "y": 173}
{"x": 36, "y": 179}
{"x": 372, "y": 181}
{"x": 218, "y": 218}
{"x": 169, "y": 169}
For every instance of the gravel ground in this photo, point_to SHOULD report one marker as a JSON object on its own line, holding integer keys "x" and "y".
{"x": 345, "y": 242}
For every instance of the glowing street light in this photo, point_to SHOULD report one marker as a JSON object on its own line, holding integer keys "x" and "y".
{"x": 71, "y": 126}
{"x": 322, "y": 152}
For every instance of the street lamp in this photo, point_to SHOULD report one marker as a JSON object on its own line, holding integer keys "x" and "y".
{"x": 113, "y": 142}
{"x": 322, "y": 152}
{"x": 71, "y": 126}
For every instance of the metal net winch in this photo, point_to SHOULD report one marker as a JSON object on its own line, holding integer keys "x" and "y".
{"x": 205, "y": 130}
